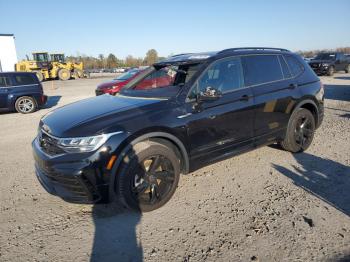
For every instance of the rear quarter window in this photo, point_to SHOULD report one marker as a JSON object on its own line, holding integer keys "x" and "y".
{"x": 294, "y": 65}
{"x": 285, "y": 68}
{"x": 260, "y": 69}
{"x": 27, "y": 79}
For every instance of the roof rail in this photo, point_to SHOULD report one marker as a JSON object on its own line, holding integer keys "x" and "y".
{"x": 181, "y": 54}
{"x": 252, "y": 48}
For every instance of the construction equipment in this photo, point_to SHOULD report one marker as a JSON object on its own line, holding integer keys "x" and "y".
{"x": 40, "y": 65}
{"x": 64, "y": 70}
{"x": 57, "y": 67}
{"x": 76, "y": 69}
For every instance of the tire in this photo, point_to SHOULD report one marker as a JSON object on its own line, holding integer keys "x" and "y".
{"x": 300, "y": 131}
{"x": 25, "y": 105}
{"x": 330, "y": 71}
{"x": 64, "y": 74}
{"x": 347, "y": 69}
{"x": 39, "y": 75}
{"x": 79, "y": 73}
{"x": 148, "y": 176}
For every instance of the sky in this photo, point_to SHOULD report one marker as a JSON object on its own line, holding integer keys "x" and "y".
{"x": 133, "y": 27}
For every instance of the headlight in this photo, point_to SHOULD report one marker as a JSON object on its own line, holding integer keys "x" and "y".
{"x": 84, "y": 144}
{"x": 325, "y": 65}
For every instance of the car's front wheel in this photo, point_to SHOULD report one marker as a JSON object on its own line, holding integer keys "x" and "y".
{"x": 300, "y": 131}
{"x": 148, "y": 176}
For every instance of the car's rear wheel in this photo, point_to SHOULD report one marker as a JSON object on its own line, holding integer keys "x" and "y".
{"x": 300, "y": 131}
{"x": 25, "y": 105}
{"x": 148, "y": 176}
{"x": 330, "y": 71}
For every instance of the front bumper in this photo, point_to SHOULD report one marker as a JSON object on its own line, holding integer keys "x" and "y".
{"x": 75, "y": 179}
{"x": 99, "y": 92}
{"x": 321, "y": 70}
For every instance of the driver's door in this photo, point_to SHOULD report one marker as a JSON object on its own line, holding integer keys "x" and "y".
{"x": 339, "y": 62}
{"x": 218, "y": 127}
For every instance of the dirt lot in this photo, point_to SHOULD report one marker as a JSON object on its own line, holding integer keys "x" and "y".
{"x": 265, "y": 205}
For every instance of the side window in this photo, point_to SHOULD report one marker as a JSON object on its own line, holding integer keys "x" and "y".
{"x": 4, "y": 81}
{"x": 260, "y": 69}
{"x": 284, "y": 66}
{"x": 294, "y": 65}
{"x": 25, "y": 79}
{"x": 224, "y": 75}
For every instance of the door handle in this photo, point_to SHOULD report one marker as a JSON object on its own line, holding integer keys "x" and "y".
{"x": 244, "y": 98}
{"x": 292, "y": 86}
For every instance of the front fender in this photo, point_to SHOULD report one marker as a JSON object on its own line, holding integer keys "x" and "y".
{"x": 125, "y": 146}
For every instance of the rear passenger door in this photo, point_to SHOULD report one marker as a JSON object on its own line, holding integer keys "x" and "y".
{"x": 274, "y": 90}
{"x": 4, "y": 83}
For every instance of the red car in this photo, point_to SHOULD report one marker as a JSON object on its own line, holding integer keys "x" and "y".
{"x": 157, "y": 79}
{"x": 113, "y": 87}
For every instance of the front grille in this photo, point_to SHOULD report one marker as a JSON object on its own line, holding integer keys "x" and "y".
{"x": 49, "y": 144}
{"x": 315, "y": 65}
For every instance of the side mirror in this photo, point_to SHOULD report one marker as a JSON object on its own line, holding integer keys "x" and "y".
{"x": 210, "y": 94}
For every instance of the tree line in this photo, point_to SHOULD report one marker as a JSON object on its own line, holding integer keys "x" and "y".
{"x": 112, "y": 61}
{"x": 151, "y": 57}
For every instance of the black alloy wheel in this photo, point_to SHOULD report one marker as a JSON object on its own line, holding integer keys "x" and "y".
{"x": 153, "y": 180}
{"x": 148, "y": 175}
{"x": 300, "y": 131}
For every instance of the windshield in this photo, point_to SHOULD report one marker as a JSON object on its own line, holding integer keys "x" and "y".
{"x": 57, "y": 58}
{"x": 325, "y": 56}
{"x": 40, "y": 57}
{"x": 127, "y": 75}
{"x": 156, "y": 78}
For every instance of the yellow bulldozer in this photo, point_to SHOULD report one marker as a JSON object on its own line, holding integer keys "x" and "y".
{"x": 39, "y": 64}
{"x": 46, "y": 69}
{"x": 76, "y": 69}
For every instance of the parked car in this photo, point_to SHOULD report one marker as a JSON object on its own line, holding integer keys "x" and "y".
{"x": 113, "y": 87}
{"x": 120, "y": 70}
{"x": 135, "y": 145}
{"x": 21, "y": 91}
{"x": 329, "y": 63}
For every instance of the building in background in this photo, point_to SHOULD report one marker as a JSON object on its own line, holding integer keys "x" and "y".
{"x": 8, "y": 54}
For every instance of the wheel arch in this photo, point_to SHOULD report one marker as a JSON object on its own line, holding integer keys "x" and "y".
{"x": 128, "y": 144}
{"x": 310, "y": 105}
{"x": 16, "y": 97}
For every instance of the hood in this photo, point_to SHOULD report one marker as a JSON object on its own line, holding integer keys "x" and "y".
{"x": 101, "y": 114}
{"x": 111, "y": 83}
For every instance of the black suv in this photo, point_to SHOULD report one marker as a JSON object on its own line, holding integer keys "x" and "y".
{"x": 214, "y": 105}
{"x": 329, "y": 63}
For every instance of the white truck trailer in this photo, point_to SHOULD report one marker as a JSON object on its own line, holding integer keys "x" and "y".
{"x": 8, "y": 54}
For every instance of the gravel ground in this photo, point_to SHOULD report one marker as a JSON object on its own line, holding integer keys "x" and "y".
{"x": 265, "y": 205}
